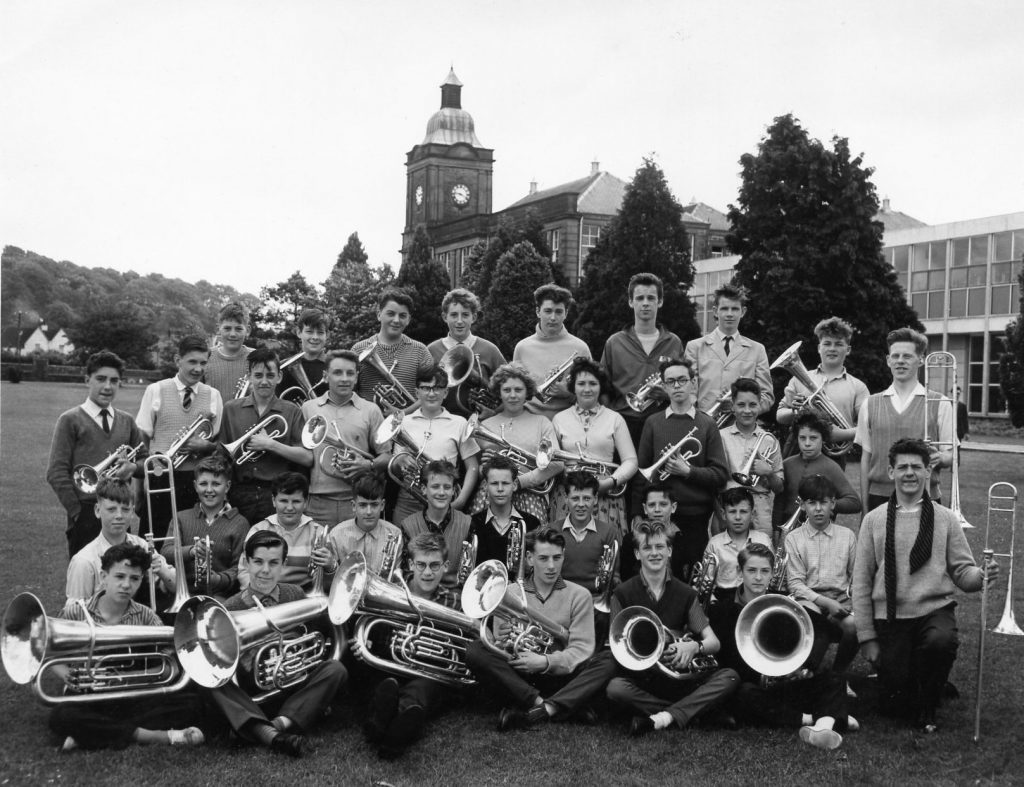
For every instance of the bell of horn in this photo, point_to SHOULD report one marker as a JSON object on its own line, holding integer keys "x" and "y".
{"x": 774, "y": 635}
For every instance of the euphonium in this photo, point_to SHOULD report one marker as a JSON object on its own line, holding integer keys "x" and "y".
{"x": 489, "y": 593}
{"x": 286, "y": 641}
{"x": 745, "y": 475}
{"x": 543, "y": 390}
{"x": 669, "y": 451}
{"x": 237, "y": 450}
{"x": 202, "y": 427}
{"x": 101, "y": 662}
{"x": 86, "y": 478}
{"x": 202, "y": 563}
{"x": 305, "y": 390}
{"x": 392, "y": 393}
{"x": 818, "y": 399}
{"x": 391, "y": 557}
{"x": 705, "y": 573}
{"x": 943, "y": 363}
{"x": 774, "y": 635}
{"x": 524, "y": 460}
{"x": 404, "y": 472}
{"x": 399, "y": 633}
{"x": 339, "y": 451}
{"x": 646, "y": 394}
{"x": 467, "y": 559}
{"x": 637, "y": 639}
{"x": 604, "y": 579}
{"x": 156, "y": 466}
{"x": 579, "y": 462}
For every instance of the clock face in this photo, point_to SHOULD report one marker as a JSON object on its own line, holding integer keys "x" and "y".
{"x": 460, "y": 194}
{"x": 419, "y": 195}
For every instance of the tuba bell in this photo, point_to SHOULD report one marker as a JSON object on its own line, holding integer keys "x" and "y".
{"x": 101, "y": 662}
{"x": 774, "y": 635}
{"x": 637, "y": 639}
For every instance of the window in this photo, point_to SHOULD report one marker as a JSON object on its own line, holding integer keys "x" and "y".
{"x": 553, "y": 236}
{"x": 928, "y": 280}
{"x": 590, "y": 234}
{"x": 976, "y": 390}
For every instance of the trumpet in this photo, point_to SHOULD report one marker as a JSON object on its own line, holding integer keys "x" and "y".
{"x": 237, "y": 450}
{"x": 202, "y": 428}
{"x": 637, "y": 639}
{"x": 604, "y": 578}
{"x": 99, "y": 662}
{"x": 544, "y": 393}
{"x": 523, "y": 459}
{"x": 392, "y": 392}
{"x": 691, "y": 443}
{"x": 339, "y": 451}
{"x": 488, "y": 592}
{"x": 745, "y": 476}
{"x": 405, "y": 475}
{"x": 202, "y": 563}
{"x": 547, "y": 453}
{"x": 86, "y": 478}
{"x": 646, "y": 394}
{"x": 935, "y": 364}
{"x": 155, "y": 466}
{"x": 1002, "y": 501}
{"x": 721, "y": 418}
{"x": 305, "y": 390}
{"x": 467, "y": 559}
{"x": 819, "y": 400}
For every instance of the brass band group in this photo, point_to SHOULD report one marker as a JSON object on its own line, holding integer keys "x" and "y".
{"x": 577, "y": 538}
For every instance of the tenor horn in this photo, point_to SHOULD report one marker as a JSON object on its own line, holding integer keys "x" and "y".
{"x": 98, "y": 662}
{"x": 405, "y": 475}
{"x": 86, "y": 478}
{"x": 305, "y": 390}
{"x": 338, "y": 452}
{"x": 457, "y": 364}
{"x": 774, "y": 635}
{"x": 391, "y": 392}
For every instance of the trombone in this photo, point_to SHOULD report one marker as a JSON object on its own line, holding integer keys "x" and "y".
{"x": 944, "y": 364}
{"x": 237, "y": 450}
{"x": 155, "y": 466}
{"x": 544, "y": 392}
{"x": 338, "y": 451}
{"x": 670, "y": 451}
{"x": 86, "y": 478}
{"x": 745, "y": 475}
{"x": 392, "y": 392}
{"x": 1002, "y": 500}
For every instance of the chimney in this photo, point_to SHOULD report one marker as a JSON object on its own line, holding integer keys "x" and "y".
{"x": 533, "y": 187}
{"x": 595, "y": 167}
{"x": 885, "y": 205}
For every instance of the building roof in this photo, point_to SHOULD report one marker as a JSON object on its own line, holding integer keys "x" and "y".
{"x": 451, "y": 124}
{"x": 895, "y": 220}
{"x": 703, "y": 212}
{"x": 599, "y": 193}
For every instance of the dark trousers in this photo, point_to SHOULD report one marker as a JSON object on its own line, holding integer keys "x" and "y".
{"x": 828, "y": 630}
{"x": 303, "y": 706}
{"x": 253, "y": 500}
{"x": 651, "y": 692}
{"x": 112, "y": 724}
{"x": 693, "y": 535}
{"x": 916, "y": 657}
{"x": 569, "y": 693}
{"x": 784, "y": 704}
{"x": 184, "y": 498}
{"x": 83, "y": 529}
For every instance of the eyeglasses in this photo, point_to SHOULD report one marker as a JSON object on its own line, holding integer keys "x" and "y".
{"x": 431, "y": 389}
{"x": 420, "y": 566}
{"x": 677, "y": 382}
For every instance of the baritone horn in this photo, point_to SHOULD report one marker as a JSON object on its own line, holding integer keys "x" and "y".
{"x": 1002, "y": 503}
{"x": 338, "y": 453}
{"x": 692, "y": 445}
{"x": 86, "y": 478}
{"x": 391, "y": 392}
{"x": 637, "y": 639}
{"x": 942, "y": 365}
{"x": 276, "y": 427}
{"x": 98, "y": 662}
{"x": 818, "y": 399}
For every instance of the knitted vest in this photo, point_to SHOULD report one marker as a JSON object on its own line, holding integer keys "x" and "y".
{"x": 888, "y": 426}
{"x": 171, "y": 418}
{"x": 223, "y": 373}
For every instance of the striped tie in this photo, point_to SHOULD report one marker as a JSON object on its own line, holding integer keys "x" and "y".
{"x": 187, "y": 401}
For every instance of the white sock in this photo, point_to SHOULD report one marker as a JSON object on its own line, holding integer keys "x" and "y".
{"x": 852, "y": 724}
{"x": 825, "y": 723}
{"x": 662, "y": 720}
{"x": 806, "y": 720}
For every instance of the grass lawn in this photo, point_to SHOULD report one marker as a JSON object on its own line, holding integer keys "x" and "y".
{"x": 463, "y": 747}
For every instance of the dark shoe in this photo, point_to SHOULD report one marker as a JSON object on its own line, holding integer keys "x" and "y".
{"x": 406, "y": 725}
{"x": 640, "y": 725}
{"x": 288, "y": 743}
{"x": 719, "y": 720}
{"x": 513, "y": 719}
{"x": 382, "y": 712}
{"x": 588, "y": 716}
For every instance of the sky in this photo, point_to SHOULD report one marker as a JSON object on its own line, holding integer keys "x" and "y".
{"x": 239, "y": 141}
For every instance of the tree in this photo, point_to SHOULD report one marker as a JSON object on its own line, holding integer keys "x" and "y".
{"x": 426, "y": 281}
{"x": 508, "y": 307}
{"x": 1011, "y": 362}
{"x": 804, "y": 227}
{"x": 353, "y": 252}
{"x": 351, "y": 293}
{"x": 484, "y": 257}
{"x": 648, "y": 235}
{"x": 121, "y": 326}
{"x": 285, "y": 301}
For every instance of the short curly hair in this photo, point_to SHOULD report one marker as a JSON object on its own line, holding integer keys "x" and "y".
{"x": 508, "y": 371}
{"x": 581, "y": 365}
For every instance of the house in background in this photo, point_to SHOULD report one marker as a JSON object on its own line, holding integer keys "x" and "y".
{"x": 40, "y": 339}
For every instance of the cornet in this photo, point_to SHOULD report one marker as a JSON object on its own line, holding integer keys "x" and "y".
{"x": 1002, "y": 500}
{"x": 645, "y": 395}
{"x": 467, "y": 559}
{"x": 202, "y": 564}
{"x": 237, "y": 451}
{"x": 721, "y": 419}
{"x": 317, "y": 572}
{"x": 818, "y": 399}
{"x": 339, "y": 452}
{"x": 392, "y": 392}
{"x": 544, "y": 393}
{"x": 705, "y": 573}
{"x": 202, "y": 428}
{"x": 547, "y": 453}
{"x": 391, "y": 557}
{"x": 402, "y": 473}
{"x": 745, "y": 476}
{"x": 86, "y": 478}
{"x": 691, "y": 443}
{"x": 524, "y": 460}
{"x": 637, "y": 639}
{"x": 515, "y": 552}
{"x": 940, "y": 364}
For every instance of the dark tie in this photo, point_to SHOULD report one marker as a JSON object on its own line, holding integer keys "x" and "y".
{"x": 187, "y": 401}
{"x": 728, "y": 343}
{"x": 105, "y": 417}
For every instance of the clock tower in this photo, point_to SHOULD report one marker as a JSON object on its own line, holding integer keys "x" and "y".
{"x": 448, "y": 176}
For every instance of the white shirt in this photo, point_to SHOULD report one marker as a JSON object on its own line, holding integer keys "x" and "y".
{"x": 944, "y": 417}
{"x": 93, "y": 410}
{"x": 151, "y": 404}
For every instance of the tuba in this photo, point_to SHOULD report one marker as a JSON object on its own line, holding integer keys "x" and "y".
{"x": 237, "y": 450}
{"x": 637, "y": 639}
{"x": 604, "y": 579}
{"x": 646, "y": 395}
{"x": 940, "y": 364}
{"x": 286, "y": 642}
{"x": 415, "y": 637}
{"x": 745, "y": 476}
{"x": 523, "y": 459}
{"x": 691, "y": 443}
{"x": 338, "y": 451}
{"x": 489, "y": 593}
{"x": 402, "y": 473}
{"x": 774, "y": 635}
{"x": 100, "y": 662}
{"x": 818, "y": 399}
{"x": 202, "y": 427}
{"x": 391, "y": 393}
{"x": 86, "y": 478}
{"x": 544, "y": 392}
{"x": 155, "y": 466}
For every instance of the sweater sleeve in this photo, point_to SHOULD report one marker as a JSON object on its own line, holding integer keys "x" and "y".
{"x": 58, "y": 474}
{"x": 960, "y": 565}
{"x": 865, "y": 566}
{"x": 715, "y": 474}
{"x": 581, "y": 634}
{"x": 847, "y": 499}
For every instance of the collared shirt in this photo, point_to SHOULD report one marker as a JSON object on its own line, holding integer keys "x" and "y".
{"x": 820, "y": 562}
{"x": 723, "y": 547}
{"x": 844, "y": 390}
{"x": 135, "y": 615}
{"x": 300, "y": 540}
{"x": 738, "y": 447}
{"x": 691, "y": 412}
{"x": 514, "y": 518}
{"x": 531, "y": 587}
{"x": 151, "y": 404}
{"x": 579, "y": 535}
{"x": 357, "y": 420}
{"x": 94, "y": 411}
{"x": 83, "y": 575}
{"x": 944, "y": 416}
{"x": 349, "y": 537}
{"x": 440, "y": 436}
{"x": 450, "y": 343}
{"x": 439, "y": 527}
{"x": 241, "y": 415}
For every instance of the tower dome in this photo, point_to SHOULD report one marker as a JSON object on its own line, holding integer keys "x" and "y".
{"x": 451, "y": 123}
